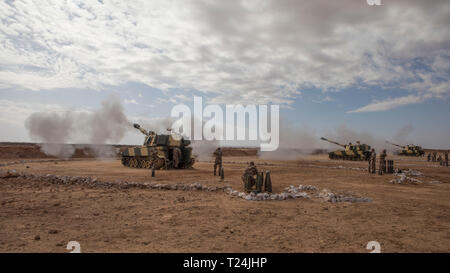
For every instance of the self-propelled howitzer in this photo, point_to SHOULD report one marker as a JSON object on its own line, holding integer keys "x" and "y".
{"x": 351, "y": 151}
{"x": 409, "y": 150}
{"x": 159, "y": 151}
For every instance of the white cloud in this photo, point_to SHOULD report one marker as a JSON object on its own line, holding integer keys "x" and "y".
{"x": 130, "y": 101}
{"x": 181, "y": 97}
{"x": 388, "y": 104}
{"x": 237, "y": 51}
{"x": 15, "y": 113}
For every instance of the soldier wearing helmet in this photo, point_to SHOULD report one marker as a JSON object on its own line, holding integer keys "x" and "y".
{"x": 249, "y": 176}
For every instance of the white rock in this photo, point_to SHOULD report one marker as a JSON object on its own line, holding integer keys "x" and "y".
{"x": 248, "y": 197}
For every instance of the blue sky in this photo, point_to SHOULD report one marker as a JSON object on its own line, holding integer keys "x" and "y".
{"x": 374, "y": 70}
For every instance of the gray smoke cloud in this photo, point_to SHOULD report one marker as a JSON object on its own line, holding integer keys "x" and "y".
{"x": 59, "y": 150}
{"x": 204, "y": 149}
{"x": 106, "y": 125}
{"x": 294, "y": 142}
{"x": 401, "y": 137}
{"x": 55, "y": 129}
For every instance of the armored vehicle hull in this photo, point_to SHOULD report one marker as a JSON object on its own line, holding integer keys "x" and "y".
{"x": 349, "y": 155}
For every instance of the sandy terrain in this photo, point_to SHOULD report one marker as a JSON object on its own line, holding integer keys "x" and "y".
{"x": 37, "y": 216}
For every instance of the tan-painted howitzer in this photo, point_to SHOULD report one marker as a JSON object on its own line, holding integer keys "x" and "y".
{"x": 409, "y": 150}
{"x": 159, "y": 151}
{"x": 352, "y": 151}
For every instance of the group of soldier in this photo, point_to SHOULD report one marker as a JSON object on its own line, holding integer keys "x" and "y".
{"x": 373, "y": 162}
{"x": 251, "y": 172}
{"x": 249, "y": 176}
{"x": 434, "y": 157}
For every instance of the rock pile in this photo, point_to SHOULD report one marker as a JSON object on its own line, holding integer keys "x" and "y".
{"x": 291, "y": 192}
{"x": 12, "y": 163}
{"x": 294, "y": 189}
{"x": 338, "y": 167}
{"x": 94, "y": 183}
{"x": 411, "y": 172}
{"x": 327, "y": 195}
{"x": 9, "y": 174}
{"x": 401, "y": 178}
{"x": 267, "y": 196}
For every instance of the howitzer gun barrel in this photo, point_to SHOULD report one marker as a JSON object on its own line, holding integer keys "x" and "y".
{"x": 342, "y": 145}
{"x": 395, "y": 144}
{"x": 137, "y": 126}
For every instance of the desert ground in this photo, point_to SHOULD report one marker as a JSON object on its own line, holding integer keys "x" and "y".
{"x": 39, "y": 216}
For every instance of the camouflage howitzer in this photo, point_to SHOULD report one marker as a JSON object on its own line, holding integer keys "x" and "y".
{"x": 409, "y": 150}
{"x": 159, "y": 152}
{"x": 356, "y": 151}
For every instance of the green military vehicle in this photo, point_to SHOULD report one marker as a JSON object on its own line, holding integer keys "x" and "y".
{"x": 356, "y": 151}
{"x": 409, "y": 150}
{"x": 159, "y": 151}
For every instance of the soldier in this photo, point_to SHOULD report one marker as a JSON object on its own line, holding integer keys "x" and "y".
{"x": 249, "y": 176}
{"x": 429, "y": 157}
{"x": 439, "y": 159}
{"x": 176, "y": 157}
{"x": 372, "y": 161}
{"x": 154, "y": 162}
{"x": 152, "y": 156}
{"x": 434, "y": 157}
{"x": 446, "y": 159}
{"x": 218, "y": 160}
{"x": 382, "y": 168}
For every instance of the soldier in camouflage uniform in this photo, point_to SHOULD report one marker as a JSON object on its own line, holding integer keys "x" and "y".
{"x": 382, "y": 168}
{"x": 429, "y": 157}
{"x": 249, "y": 177}
{"x": 176, "y": 157}
{"x": 218, "y": 160}
{"x": 446, "y": 159}
{"x": 439, "y": 159}
{"x": 152, "y": 157}
{"x": 434, "y": 156}
{"x": 373, "y": 161}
